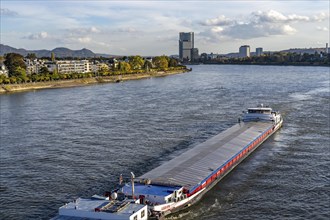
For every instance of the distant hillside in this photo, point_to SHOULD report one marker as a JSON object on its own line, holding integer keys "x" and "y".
{"x": 59, "y": 52}
{"x": 304, "y": 50}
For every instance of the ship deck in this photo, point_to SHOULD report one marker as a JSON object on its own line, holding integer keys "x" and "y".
{"x": 195, "y": 165}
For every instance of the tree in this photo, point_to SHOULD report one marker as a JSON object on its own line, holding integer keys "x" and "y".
{"x": 147, "y": 65}
{"x": 31, "y": 56}
{"x": 54, "y": 75}
{"x": 43, "y": 70}
{"x": 104, "y": 70}
{"x": 160, "y": 62}
{"x": 12, "y": 61}
{"x": 20, "y": 73}
{"x": 124, "y": 67}
{"x": 173, "y": 62}
{"x": 52, "y": 56}
{"x": 4, "y": 79}
{"x": 136, "y": 62}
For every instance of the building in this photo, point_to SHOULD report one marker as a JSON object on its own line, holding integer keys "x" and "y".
{"x": 51, "y": 66}
{"x": 61, "y": 66}
{"x": 73, "y": 66}
{"x": 3, "y": 69}
{"x": 195, "y": 54}
{"x": 244, "y": 51}
{"x": 34, "y": 66}
{"x": 259, "y": 51}
{"x": 186, "y": 45}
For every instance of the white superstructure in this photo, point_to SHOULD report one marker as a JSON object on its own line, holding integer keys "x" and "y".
{"x": 105, "y": 209}
{"x": 261, "y": 113}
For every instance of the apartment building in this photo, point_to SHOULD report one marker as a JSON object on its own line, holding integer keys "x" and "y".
{"x": 73, "y": 66}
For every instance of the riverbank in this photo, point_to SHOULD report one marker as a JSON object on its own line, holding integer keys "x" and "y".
{"x": 9, "y": 88}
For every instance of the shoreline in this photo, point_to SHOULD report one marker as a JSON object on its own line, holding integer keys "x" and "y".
{"x": 261, "y": 64}
{"x": 12, "y": 88}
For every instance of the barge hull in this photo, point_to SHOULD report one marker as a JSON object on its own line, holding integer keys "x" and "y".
{"x": 193, "y": 168}
{"x": 232, "y": 135}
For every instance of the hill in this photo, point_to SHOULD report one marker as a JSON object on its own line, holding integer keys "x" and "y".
{"x": 59, "y": 52}
{"x": 305, "y": 50}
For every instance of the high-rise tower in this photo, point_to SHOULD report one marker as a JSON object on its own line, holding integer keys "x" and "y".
{"x": 259, "y": 51}
{"x": 244, "y": 51}
{"x": 186, "y": 45}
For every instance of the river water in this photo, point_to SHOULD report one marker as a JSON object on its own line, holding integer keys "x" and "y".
{"x": 60, "y": 144}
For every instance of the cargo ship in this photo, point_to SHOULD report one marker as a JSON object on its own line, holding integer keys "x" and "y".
{"x": 182, "y": 181}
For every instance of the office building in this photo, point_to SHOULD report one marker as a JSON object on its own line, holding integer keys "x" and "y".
{"x": 244, "y": 51}
{"x": 259, "y": 51}
{"x": 195, "y": 54}
{"x": 186, "y": 45}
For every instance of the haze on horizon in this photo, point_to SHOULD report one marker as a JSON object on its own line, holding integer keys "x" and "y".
{"x": 152, "y": 27}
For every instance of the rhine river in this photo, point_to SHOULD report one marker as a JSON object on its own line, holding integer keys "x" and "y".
{"x": 60, "y": 144}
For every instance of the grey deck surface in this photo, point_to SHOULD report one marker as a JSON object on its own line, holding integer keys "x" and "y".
{"x": 194, "y": 165}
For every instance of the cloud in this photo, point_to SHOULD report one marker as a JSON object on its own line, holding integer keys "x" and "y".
{"x": 83, "y": 31}
{"x": 127, "y": 30}
{"x": 37, "y": 36}
{"x": 287, "y": 30}
{"x": 102, "y": 44}
{"x": 166, "y": 38}
{"x": 94, "y": 30}
{"x": 84, "y": 39}
{"x": 7, "y": 12}
{"x": 72, "y": 40}
{"x": 218, "y": 21}
{"x": 217, "y": 29}
{"x": 322, "y": 28}
{"x": 273, "y": 16}
{"x": 258, "y": 24}
{"x": 320, "y": 17}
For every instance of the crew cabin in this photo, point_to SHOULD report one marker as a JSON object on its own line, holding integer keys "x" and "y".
{"x": 260, "y": 113}
{"x": 102, "y": 208}
{"x": 152, "y": 194}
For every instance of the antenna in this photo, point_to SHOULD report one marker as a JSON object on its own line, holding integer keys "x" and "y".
{"x": 121, "y": 179}
{"x": 132, "y": 179}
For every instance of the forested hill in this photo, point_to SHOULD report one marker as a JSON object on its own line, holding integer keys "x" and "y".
{"x": 59, "y": 52}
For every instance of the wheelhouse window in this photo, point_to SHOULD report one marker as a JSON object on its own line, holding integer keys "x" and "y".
{"x": 259, "y": 111}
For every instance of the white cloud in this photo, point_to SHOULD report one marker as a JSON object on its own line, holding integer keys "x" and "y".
{"x": 127, "y": 30}
{"x": 288, "y": 30}
{"x": 102, "y": 44}
{"x": 321, "y": 17}
{"x": 83, "y": 30}
{"x": 38, "y": 36}
{"x": 258, "y": 24}
{"x": 217, "y": 29}
{"x": 273, "y": 16}
{"x": 84, "y": 39}
{"x": 295, "y": 17}
{"x": 94, "y": 30}
{"x": 322, "y": 28}
{"x": 219, "y": 21}
{"x": 270, "y": 16}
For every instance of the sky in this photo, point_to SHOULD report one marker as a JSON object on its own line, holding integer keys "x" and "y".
{"x": 151, "y": 28}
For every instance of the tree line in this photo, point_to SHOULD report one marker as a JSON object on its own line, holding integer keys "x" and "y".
{"x": 17, "y": 68}
{"x": 278, "y": 58}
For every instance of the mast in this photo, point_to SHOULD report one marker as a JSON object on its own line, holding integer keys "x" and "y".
{"x": 132, "y": 179}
